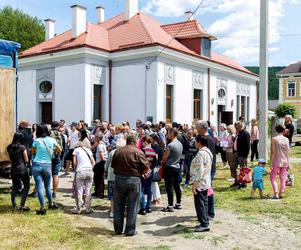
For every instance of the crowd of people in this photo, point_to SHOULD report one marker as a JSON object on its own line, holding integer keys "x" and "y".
{"x": 135, "y": 160}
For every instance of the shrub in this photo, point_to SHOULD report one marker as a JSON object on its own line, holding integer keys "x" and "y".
{"x": 286, "y": 109}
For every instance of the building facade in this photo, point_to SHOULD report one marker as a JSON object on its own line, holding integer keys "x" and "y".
{"x": 129, "y": 67}
{"x": 290, "y": 86}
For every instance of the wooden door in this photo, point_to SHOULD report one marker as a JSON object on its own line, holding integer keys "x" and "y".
{"x": 46, "y": 112}
{"x": 227, "y": 117}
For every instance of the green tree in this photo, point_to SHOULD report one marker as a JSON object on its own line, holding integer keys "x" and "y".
{"x": 19, "y": 27}
{"x": 273, "y": 88}
{"x": 285, "y": 109}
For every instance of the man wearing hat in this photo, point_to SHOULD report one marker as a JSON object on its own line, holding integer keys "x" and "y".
{"x": 257, "y": 178}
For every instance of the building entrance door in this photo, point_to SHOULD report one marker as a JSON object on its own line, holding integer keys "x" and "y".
{"x": 220, "y": 110}
{"x": 46, "y": 112}
{"x": 227, "y": 117}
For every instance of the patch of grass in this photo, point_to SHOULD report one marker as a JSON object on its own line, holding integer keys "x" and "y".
{"x": 56, "y": 230}
{"x": 189, "y": 233}
{"x": 217, "y": 222}
{"x": 219, "y": 239}
{"x": 160, "y": 247}
{"x": 295, "y": 152}
{"x": 251, "y": 219}
{"x": 238, "y": 200}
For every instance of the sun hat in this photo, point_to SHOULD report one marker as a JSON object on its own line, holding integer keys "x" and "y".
{"x": 262, "y": 161}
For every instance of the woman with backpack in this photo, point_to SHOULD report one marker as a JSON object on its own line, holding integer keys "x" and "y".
{"x": 43, "y": 149}
{"x": 19, "y": 172}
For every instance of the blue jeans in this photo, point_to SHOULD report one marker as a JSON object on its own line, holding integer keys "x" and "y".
{"x": 146, "y": 189}
{"x": 42, "y": 173}
{"x": 126, "y": 192}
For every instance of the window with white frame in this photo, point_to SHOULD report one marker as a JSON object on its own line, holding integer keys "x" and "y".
{"x": 291, "y": 88}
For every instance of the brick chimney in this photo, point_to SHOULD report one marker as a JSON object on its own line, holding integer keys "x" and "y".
{"x": 78, "y": 20}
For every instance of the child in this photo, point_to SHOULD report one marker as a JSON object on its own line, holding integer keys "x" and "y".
{"x": 257, "y": 178}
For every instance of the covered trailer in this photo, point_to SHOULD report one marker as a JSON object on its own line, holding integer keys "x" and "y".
{"x": 8, "y": 88}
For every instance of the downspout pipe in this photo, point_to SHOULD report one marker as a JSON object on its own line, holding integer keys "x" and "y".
{"x": 209, "y": 73}
{"x": 110, "y": 91}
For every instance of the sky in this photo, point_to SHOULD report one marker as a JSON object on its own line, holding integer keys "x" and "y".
{"x": 234, "y": 22}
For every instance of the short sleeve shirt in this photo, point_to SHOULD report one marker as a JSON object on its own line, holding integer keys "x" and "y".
{"x": 258, "y": 173}
{"x": 101, "y": 148}
{"x": 83, "y": 157}
{"x": 44, "y": 154}
{"x": 176, "y": 149}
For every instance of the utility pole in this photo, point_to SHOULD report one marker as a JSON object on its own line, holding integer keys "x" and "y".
{"x": 263, "y": 83}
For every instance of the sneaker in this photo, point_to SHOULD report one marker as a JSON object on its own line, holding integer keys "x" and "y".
{"x": 142, "y": 212}
{"x": 201, "y": 229}
{"x": 89, "y": 211}
{"x": 24, "y": 209}
{"x": 75, "y": 211}
{"x": 210, "y": 217}
{"x": 178, "y": 206}
{"x": 242, "y": 186}
{"x": 148, "y": 210}
{"x": 41, "y": 211}
{"x": 111, "y": 215}
{"x": 230, "y": 179}
{"x": 131, "y": 234}
{"x": 275, "y": 197}
{"x": 33, "y": 194}
{"x": 95, "y": 194}
{"x": 168, "y": 209}
{"x": 235, "y": 184}
{"x": 53, "y": 206}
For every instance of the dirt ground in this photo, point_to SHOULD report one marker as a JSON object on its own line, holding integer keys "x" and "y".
{"x": 175, "y": 230}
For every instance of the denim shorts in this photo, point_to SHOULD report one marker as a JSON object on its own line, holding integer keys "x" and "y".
{"x": 56, "y": 166}
{"x": 258, "y": 184}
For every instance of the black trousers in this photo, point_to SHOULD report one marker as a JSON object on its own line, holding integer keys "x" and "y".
{"x": 254, "y": 150}
{"x": 17, "y": 179}
{"x": 126, "y": 193}
{"x": 201, "y": 207}
{"x": 99, "y": 170}
{"x": 171, "y": 178}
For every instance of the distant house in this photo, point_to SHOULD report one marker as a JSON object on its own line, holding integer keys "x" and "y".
{"x": 130, "y": 67}
{"x": 290, "y": 86}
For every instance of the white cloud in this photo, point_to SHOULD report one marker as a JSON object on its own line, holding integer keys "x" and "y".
{"x": 238, "y": 28}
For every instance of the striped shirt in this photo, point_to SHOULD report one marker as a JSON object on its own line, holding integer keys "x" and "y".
{"x": 150, "y": 154}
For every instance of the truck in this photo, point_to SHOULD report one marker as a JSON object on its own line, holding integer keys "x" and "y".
{"x": 8, "y": 97}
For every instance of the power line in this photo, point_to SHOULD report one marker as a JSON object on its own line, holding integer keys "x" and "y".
{"x": 282, "y": 35}
{"x": 188, "y": 19}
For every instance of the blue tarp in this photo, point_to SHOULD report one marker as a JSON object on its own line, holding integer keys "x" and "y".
{"x": 8, "y": 48}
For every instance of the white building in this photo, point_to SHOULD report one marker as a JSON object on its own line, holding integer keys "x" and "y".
{"x": 129, "y": 67}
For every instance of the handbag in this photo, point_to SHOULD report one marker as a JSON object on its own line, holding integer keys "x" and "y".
{"x": 161, "y": 171}
{"x": 156, "y": 173}
{"x": 245, "y": 175}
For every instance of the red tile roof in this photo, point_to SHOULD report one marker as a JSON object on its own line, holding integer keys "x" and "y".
{"x": 141, "y": 30}
{"x": 188, "y": 29}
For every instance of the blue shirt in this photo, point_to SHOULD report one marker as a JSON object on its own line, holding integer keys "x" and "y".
{"x": 44, "y": 154}
{"x": 258, "y": 173}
